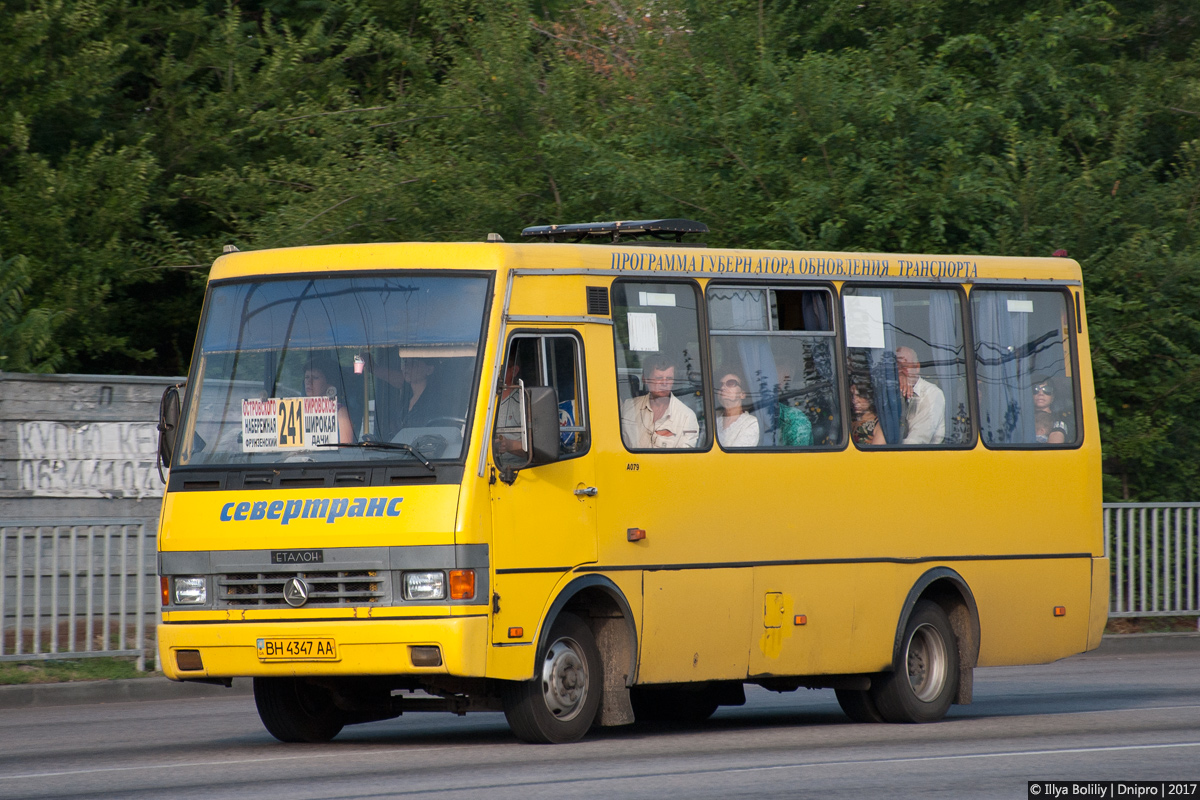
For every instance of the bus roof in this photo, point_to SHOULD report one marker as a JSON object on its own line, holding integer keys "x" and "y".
{"x": 642, "y": 259}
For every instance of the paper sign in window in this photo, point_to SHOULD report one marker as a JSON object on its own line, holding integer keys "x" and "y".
{"x": 643, "y": 331}
{"x": 279, "y": 423}
{"x": 1020, "y": 306}
{"x": 656, "y": 299}
{"x": 864, "y": 321}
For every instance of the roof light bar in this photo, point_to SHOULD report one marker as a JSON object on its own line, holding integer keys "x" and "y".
{"x": 658, "y": 228}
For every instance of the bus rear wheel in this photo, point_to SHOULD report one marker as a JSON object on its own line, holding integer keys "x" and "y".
{"x": 295, "y": 711}
{"x": 560, "y": 703}
{"x": 924, "y": 678}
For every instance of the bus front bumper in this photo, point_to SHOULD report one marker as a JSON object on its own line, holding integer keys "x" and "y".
{"x": 359, "y": 647}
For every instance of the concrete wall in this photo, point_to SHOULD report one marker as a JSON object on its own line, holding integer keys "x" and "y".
{"x": 79, "y": 502}
{"x": 79, "y": 446}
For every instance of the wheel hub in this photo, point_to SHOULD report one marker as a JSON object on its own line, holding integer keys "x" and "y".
{"x": 926, "y": 663}
{"x": 564, "y": 679}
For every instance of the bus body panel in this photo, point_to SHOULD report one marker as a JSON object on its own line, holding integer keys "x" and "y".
{"x": 696, "y": 625}
{"x": 524, "y": 598}
{"x": 1101, "y": 580}
{"x": 364, "y": 647}
{"x": 808, "y": 620}
{"x": 1016, "y": 609}
{"x": 258, "y": 519}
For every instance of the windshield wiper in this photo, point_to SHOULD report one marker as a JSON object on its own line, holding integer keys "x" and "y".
{"x": 407, "y": 448}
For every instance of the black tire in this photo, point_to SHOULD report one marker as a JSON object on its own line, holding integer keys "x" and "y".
{"x": 673, "y": 704}
{"x": 295, "y": 711}
{"x": 924, "y": 679}
{"x": 559, "y": 705}
{"x": 858, "y": 705}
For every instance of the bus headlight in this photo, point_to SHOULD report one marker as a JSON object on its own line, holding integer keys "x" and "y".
{"x": 191, "y": 591}
{"x": 425, "y": 585}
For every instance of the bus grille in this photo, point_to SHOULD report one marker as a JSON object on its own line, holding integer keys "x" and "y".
{"x": 332, "y": 588}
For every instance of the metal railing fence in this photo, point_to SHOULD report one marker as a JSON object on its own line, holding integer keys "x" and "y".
{"x": 74, "y": 588}
{"x": 1153, "y": 552}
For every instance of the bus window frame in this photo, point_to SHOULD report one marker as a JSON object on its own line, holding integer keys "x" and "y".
{"x": 481, "y": 349}
{"x": 706, "y": 444}
{"x": 1068, "y": 291}
{"x": 968, "y": 331}
{"x": 580, "y": 352}
{"x": 840, "y": 377}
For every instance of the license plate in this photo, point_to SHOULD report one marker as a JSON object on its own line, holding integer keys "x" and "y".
{"x": 297, "y": 650}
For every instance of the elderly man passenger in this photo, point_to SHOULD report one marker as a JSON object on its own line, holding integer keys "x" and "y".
{"x": 924, "y": 403}
{"x": 658, "y": 418}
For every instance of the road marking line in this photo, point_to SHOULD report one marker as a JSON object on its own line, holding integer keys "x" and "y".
{"x": 392, "y": 751}
{"x": 731, "y": 770}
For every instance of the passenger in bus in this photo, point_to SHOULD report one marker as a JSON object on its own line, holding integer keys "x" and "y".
{"x": 866, "y": 428}
{"x": 317, "y": 374}
{"x": 658, "y": 419}
{"x": 924, "y": 403}
{"x": 793, "y": 428}
{"x": 1049, "y": 427}
{"x": 735, "y": 426}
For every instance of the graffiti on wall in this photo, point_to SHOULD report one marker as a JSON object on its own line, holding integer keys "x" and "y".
{"x": 94, "y": 459}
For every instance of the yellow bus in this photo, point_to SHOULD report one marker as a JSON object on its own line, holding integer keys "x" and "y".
{"x": 607, "y": 474}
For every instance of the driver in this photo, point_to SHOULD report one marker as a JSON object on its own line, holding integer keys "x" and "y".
{"x": 318, "y": 375}
{"x": 421, "y": 399}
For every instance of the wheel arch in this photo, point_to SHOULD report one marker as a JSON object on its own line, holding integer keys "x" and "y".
{"x": 949, "y": 590}
{"x": 602, "y": 606}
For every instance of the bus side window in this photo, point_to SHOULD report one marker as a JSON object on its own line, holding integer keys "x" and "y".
{"x": 1024, "y": 368}
{"x": 551, "y": 360}
{"x": 774, "y": 372}
{"x": 907, "y": 367}
{"x": 660, "y": 385}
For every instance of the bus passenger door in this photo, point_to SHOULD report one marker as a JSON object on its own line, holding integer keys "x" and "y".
{"x": 544, "y": 523}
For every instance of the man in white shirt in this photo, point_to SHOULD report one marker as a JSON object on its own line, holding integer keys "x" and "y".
{"x": 658, "y": 418}
{"x": 924, "y": 403}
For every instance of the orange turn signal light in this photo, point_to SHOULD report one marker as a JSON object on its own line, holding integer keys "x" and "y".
{"x": 1060, "y": 611}
{"x": 635, "y": 534}
{"x": 801, "y": 619}
{"x": 516, "y": 633}
{"x": 166, "y": 593}
{"x": 462, "y": 584}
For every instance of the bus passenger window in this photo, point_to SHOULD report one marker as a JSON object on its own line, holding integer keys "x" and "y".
{"x": 1024, "y": 368}
{"x": 907, "y": 367}
{"x": 774, "y": 378}
{"x": 660, "y": 387}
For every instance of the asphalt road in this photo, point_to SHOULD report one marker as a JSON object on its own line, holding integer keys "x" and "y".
{"x": 1093, "y": 717}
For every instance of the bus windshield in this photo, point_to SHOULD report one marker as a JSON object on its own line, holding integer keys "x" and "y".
{"x": 334, "y": 369}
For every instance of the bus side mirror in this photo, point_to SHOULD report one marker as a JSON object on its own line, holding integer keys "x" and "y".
{"x": 535, "y": 440}
{"x": 542, "y": 402}
{"x": 168, "y": 426}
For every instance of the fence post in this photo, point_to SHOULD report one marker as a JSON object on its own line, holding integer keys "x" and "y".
{"x": 20, "y": 604}
{"x": 140, "y": 629}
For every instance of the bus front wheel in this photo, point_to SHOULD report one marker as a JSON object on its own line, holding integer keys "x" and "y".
{"x": 295, "y": 711}
{"x": 924, "y": 680}
{"x": 560, "y": 703}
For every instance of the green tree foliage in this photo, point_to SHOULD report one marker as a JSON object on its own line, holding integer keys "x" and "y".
{"x": 138, "y": 136}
